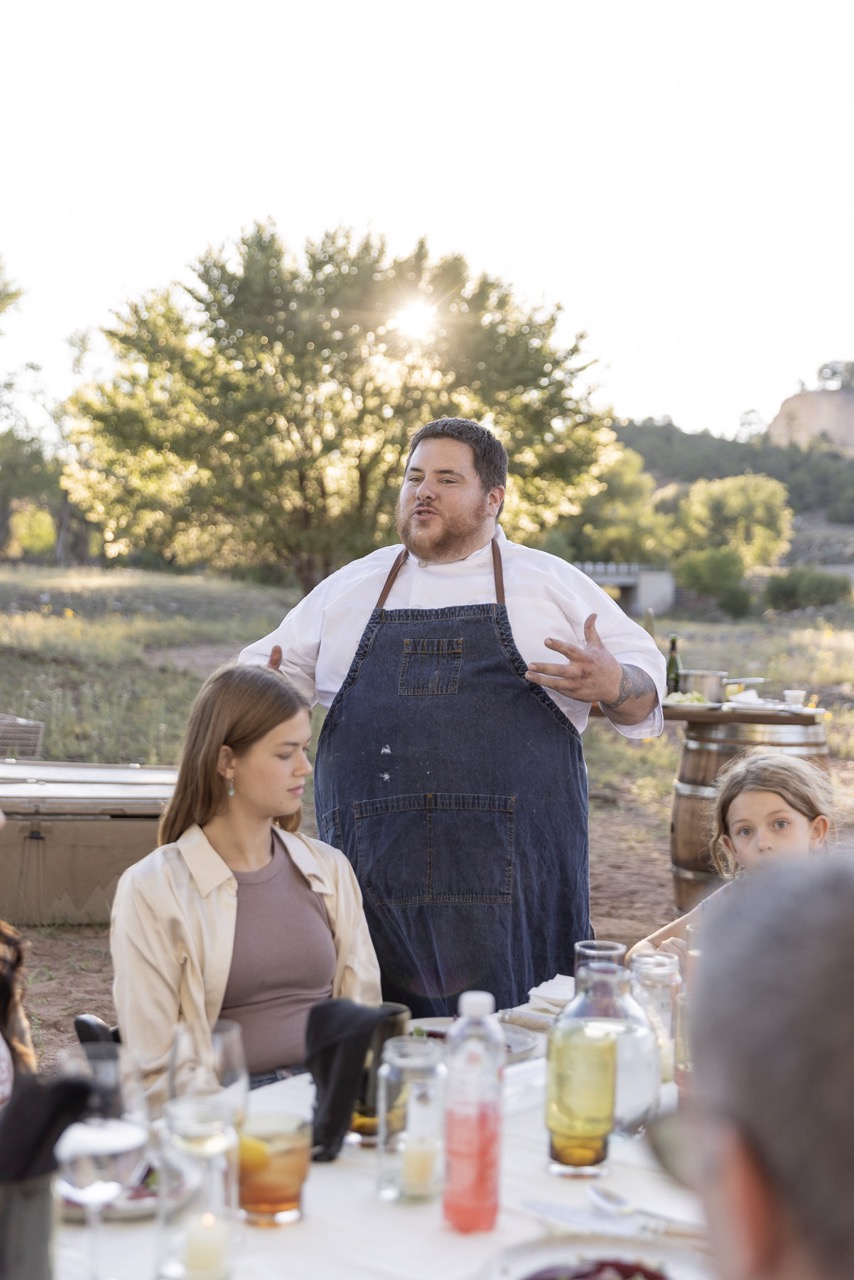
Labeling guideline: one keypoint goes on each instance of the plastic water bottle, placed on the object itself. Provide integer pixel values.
(475, 1060)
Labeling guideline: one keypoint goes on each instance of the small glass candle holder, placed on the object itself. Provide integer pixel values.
(198, 1188)
(411, 1092)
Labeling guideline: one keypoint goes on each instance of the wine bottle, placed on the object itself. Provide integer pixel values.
(674, 667)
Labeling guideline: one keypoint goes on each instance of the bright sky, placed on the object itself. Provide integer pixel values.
(678, 175)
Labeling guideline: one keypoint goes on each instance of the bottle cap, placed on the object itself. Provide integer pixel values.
(476, 1004)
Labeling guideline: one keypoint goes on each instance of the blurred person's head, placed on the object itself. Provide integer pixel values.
(772, 1040)
(237, 708)
(769, 805)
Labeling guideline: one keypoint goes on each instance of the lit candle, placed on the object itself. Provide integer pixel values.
(419, 1164)
(666, 1050)
(207, 1247)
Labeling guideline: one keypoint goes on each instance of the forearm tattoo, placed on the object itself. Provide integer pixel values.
(634, 683)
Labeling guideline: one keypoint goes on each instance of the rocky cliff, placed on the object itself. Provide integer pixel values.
(813, 415)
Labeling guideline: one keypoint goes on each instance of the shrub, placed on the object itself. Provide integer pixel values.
(803, 587)
(736, 601)
(711, 571)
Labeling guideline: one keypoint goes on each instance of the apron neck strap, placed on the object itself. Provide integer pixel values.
(497, 569)
(389, 582)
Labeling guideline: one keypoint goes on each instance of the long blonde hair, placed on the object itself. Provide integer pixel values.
(804, 786)
(235, 707)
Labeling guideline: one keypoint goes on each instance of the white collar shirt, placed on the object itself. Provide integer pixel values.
(545, 597)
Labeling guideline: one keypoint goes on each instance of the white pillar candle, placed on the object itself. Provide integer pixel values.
(206, 1248)
(419, 1166)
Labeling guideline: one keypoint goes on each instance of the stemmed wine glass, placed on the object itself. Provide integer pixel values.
(208, 1090)
(105, 1150)
(219, 1070)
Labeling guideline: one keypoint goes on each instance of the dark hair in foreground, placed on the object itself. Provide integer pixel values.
(490, 456)
(804, 786)
(773, 1039)
(12, 1022)
(235, 707)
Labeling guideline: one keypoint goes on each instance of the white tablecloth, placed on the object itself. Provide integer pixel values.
(347, 1233)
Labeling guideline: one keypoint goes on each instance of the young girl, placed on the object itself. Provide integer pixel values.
(767, 806)
(237, 915)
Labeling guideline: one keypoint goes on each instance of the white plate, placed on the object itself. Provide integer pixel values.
(136, 1202)
(695, 706)
(676, 1260)
(519, 1041)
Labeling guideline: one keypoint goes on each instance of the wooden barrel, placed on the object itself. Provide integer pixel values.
(707, 747)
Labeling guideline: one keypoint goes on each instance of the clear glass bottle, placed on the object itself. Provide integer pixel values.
(475, 1060)
(656, 982)
(582, 1075)
(638, 1069)
(411, 1103)
(603, 1069)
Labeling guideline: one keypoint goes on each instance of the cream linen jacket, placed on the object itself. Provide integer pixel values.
(172, 938)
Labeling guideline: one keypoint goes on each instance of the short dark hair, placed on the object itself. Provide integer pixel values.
(490, 456)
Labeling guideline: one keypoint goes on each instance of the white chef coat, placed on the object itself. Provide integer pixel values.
(545, 596)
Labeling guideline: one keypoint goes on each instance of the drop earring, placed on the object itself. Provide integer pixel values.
(230, 788)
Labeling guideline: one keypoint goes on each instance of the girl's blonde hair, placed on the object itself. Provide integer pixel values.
(235, 707)
(804, 786)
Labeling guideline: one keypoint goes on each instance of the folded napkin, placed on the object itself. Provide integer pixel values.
(528, 1018)
(551, 996)
(337, 1039)
(32, 1121)
(600, 1222)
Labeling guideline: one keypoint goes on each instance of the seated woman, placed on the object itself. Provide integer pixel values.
(16, 1045)
(238, 915)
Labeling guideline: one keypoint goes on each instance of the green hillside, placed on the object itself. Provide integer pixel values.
(819, 479)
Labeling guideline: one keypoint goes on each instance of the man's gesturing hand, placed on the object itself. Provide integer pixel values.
(590, 674)
(626, 694)
(275, 658)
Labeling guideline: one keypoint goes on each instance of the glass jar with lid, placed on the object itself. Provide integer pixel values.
(656, 983)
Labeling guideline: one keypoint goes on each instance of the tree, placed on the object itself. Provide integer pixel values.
(619, 521)
(9, 295)
(749, 514)
(837, 375)
(817, 478)
(259, 413)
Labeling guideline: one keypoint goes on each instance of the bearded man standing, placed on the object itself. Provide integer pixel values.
(450, 768)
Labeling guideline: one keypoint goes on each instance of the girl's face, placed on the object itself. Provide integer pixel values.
(761, 824)
(269, 778)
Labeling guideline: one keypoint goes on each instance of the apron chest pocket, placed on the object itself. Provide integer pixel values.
(430, 666)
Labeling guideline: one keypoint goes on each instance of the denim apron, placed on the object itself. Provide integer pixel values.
(458, 791)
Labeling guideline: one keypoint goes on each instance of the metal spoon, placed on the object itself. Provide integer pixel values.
(613, 1202)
